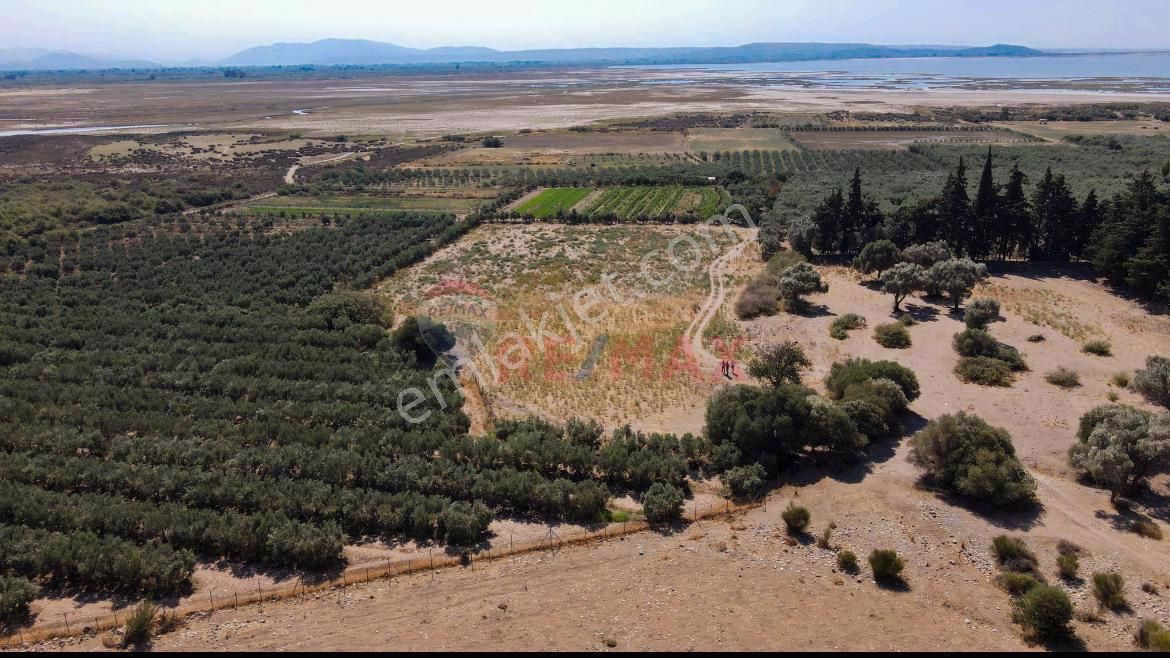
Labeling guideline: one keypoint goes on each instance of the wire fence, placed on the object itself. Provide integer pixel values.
(70, 626)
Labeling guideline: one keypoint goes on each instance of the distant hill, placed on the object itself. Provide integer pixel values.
(363, 52)
(32, 59)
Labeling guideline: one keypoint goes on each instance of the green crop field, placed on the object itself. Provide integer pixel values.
(553, 202)
(655, 202)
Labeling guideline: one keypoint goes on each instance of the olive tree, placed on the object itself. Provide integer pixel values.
(877, 256)
(902, 280)
(1120, 446)
(780, 364)
(957, 277)
(926, 254)
(797, 281)
(966, 455)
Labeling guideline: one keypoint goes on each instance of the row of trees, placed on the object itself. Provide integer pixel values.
(1001, 221)
(1127, 237)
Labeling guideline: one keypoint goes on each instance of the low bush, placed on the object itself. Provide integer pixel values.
(893, 335)
(139, 626)
(886, 565)
(1036, 338)
(15, 596)
(1146, 528)
(1097, 347)
(843, 324)
(980, 313)
(1068, 565)
(1013, 554)
(796, 518)
(1016, 583)
(758, 298)
(1120, 380)
(1063, 377)
(1152, 635)
(1109, 590)
(975, 342)
(985, 371)
(1045, 612)
(855, 371)
(744, 480)
(847, 562)
(662, 503)
(825, 541)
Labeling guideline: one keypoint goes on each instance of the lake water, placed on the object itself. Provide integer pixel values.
(1149, 72)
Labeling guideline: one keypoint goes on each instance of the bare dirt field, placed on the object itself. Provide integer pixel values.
(1057, 130)
(434, 105)
(898, 140)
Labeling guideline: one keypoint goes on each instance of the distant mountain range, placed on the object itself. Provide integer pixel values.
(335, 52)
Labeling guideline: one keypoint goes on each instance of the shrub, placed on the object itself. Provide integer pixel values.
(745, 480)
(1063, 377)
(1045, 612)
(855, 371)
(980, 313)
(893, 335)
(1109, 590)
(15, 596)
(984, 370)
(886, 565)
(796, 518)
(825, 541)
(1097, 347)
(1153, 381)
(965, 455)
(975, 342)
(1069, 565)
(758, 298)
(139, 624)
(842, 325)
(907, 320)
(462, 523)
(1016, 583)
(1006, 548)
(1120, 379)
(1146, 528)
(1036, 338)
(847, 561)
(1152, 635)
(662, 503)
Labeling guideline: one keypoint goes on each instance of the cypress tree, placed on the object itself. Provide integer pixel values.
(985, 219)
(955, 210)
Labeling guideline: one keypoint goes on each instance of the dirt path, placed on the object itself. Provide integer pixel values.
(717, 272)
(290, 177)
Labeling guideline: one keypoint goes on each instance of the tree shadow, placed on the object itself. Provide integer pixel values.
(1019, 519)
(919, 312)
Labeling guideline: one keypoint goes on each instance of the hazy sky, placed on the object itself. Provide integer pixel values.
(171, 30)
